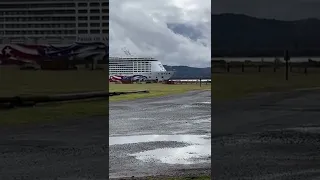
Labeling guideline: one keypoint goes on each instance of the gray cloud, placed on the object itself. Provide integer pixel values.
(276, 9)
(177, 32)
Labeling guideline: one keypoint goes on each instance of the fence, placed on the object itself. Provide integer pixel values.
(258, 67)
(188, 81)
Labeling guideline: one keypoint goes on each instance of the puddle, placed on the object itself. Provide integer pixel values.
(306, 129)
(201, 119)
(207, 102)
(139, 118)
(198, 151)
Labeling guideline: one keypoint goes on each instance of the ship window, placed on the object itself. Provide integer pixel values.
(162, 77)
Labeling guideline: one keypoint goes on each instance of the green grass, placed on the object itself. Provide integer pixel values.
(156, 90)
(53, 112)
(17, 82)
(14, 81)
(230, 85)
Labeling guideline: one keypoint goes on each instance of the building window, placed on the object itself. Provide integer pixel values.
(82, 25)
(105, 31)
(105, 11)
(82, 11)
(105, 24)
(94, 18)
(82, 31)
(95, 11)
(95, 31)
(95, 24)
(83, 18)
(105, 4)
(94, 4)
(105, 18)
(82, 4)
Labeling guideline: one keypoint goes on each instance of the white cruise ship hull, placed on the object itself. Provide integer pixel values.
(160, 75)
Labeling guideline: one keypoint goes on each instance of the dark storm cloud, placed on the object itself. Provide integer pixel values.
(277, 9)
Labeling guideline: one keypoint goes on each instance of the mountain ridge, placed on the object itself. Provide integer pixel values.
(186, 72)
(243, 35)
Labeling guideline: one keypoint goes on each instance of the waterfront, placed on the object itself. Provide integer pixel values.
(266, 59)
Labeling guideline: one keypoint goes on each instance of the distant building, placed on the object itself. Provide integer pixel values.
(57, 23)
(53, 21)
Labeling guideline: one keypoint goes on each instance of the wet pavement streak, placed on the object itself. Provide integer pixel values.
(161, 136)
(267, 137)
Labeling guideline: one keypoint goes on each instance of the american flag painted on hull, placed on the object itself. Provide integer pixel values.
(37, 53)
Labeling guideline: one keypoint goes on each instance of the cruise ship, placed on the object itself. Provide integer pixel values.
(145, 68)
(33, 31)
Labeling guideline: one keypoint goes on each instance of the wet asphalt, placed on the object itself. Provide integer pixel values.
(272, 136)
(79, 148)
(76, 149)
(177, 116)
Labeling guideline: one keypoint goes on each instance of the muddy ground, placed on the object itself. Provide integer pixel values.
(275, 136)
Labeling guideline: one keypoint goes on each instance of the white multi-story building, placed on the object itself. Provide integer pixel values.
(53, 21)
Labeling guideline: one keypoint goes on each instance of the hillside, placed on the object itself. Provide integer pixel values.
(241, 35)
(185, 72)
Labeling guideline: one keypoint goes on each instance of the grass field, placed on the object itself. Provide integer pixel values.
(15, 82)
(235, 85)
(155, 90)
(310, 70)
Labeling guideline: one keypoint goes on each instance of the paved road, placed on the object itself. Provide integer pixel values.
(78, 149)
(161, 136)
(267, 137)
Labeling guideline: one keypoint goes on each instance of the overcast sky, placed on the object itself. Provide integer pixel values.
(177, 32)
(277, 9)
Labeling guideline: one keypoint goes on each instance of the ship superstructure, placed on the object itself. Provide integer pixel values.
(147, 67)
